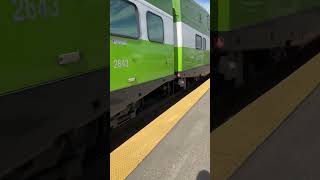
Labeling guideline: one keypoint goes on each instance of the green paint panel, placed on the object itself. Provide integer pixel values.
(191, 13)
(223, 16)
(235, 14)
(165, 5)
(30, 48)
(178, 59)
(142, 60)
(191, 58)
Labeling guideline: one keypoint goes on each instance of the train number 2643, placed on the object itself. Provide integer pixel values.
(31, 9)
(120, 63)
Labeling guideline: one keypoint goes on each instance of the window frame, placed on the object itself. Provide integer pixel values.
(197, 35)
(148, 13)
(204, 43)
(137, 20)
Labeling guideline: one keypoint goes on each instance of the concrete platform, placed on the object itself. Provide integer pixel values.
(275, 137)
(185, 152)
(292, 151)
(175, 145)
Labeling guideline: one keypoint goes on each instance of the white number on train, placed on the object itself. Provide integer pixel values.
(31, 9)
(120, 63)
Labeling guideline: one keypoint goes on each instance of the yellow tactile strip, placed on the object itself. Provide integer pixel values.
(127, 157)
(234, 141)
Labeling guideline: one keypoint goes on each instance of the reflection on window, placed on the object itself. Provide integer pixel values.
(198, 42)
(123, 19)
(155, 28)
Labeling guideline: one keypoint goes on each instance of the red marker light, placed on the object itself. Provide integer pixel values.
(219, 42)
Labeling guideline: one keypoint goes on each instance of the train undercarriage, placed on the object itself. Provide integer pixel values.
(146, 96)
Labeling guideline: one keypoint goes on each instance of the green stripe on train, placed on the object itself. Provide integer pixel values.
(192, 14)
(134, 62)
(235, 14)
(30, 46)
(190, 58)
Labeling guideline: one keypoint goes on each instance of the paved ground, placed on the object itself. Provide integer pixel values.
(185, 152)
(292, 151)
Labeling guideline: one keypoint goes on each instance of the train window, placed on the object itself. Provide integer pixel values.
(124, 20)
(155, 28)
(204, 44)
(198, 42)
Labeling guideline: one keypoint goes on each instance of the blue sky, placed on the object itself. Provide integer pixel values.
(205, 4)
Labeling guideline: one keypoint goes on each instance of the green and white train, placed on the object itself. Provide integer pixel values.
(154, 44)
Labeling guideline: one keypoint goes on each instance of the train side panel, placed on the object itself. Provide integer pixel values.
(256, 24)
(236, 14)
(37, 37)
(142, 50)
(192, 28)
(136, 60)
(250, 29)
(50, 70)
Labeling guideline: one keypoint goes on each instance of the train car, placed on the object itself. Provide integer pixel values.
(52, 89)
(267, 28)
(192, 28)
(153, 44)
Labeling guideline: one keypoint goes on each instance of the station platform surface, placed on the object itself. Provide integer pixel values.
(275, 137)
(176, 145)
(292, 151)
(185, 152)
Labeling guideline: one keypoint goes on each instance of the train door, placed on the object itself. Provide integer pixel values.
(155, 58)
(125, 34)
